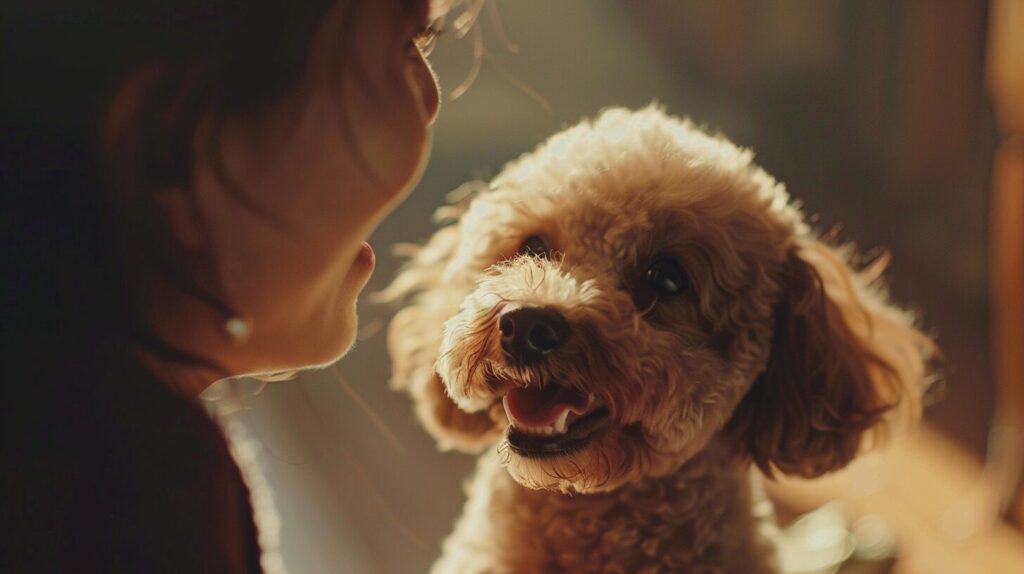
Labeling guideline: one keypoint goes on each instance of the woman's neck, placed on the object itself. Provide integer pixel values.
(184, 378)
(185, 344)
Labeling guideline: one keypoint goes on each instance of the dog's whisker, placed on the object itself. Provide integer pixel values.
(708, 327)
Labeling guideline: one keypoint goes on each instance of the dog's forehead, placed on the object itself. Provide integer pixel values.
(629, 172)
(627, 186)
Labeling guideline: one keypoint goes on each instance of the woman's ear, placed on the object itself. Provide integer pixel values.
(184, 221)
(432, 296)
(846, 368)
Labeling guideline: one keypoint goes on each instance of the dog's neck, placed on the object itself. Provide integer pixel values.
(701, 514)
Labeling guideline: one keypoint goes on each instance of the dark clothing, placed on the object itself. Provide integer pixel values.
(105, 469)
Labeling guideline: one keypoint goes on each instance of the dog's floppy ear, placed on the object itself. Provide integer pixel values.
(846, 368)
(432, 295)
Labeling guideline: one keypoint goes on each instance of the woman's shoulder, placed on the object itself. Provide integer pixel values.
(110, 466)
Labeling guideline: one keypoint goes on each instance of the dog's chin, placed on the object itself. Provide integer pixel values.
(598, 461)
(575, 438)
(557, 437)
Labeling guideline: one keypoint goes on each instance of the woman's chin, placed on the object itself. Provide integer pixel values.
(332, 346)
(318, 354)
(329, 333)
(316, 348)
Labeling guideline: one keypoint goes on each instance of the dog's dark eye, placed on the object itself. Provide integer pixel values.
(667, 277)
(534, 246)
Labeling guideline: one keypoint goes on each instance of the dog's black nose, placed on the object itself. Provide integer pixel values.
(529, 334)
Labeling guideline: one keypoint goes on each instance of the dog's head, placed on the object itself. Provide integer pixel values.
(613, 300)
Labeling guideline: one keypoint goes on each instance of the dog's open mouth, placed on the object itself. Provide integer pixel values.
(552, 420)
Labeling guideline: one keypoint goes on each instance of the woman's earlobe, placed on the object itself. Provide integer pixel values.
(129, 164)
(184, 221)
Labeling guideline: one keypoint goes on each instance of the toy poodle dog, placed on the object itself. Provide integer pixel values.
(624, 320)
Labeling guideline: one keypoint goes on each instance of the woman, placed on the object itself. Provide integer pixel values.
(186, 190)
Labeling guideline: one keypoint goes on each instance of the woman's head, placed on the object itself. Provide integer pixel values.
(246, 148)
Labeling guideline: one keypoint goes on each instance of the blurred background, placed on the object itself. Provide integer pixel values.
(874, 113)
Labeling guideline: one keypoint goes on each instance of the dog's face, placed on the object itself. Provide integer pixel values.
(604, 307)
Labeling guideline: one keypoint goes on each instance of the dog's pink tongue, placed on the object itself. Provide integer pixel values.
(542, 407)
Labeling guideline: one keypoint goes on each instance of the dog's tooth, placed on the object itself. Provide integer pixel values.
(591, 403)
(535, 430)
(560, 425)
(508, 413)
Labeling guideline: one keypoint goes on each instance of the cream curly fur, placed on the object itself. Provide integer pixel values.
(780, 352)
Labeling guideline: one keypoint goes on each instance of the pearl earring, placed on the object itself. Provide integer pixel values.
(238, 329)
